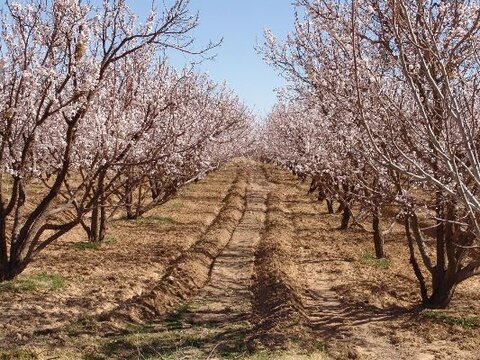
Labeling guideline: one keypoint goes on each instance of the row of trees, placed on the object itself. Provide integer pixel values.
(382, 110)
(95, 121)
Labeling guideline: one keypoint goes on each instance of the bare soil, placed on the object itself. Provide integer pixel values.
(241, 265)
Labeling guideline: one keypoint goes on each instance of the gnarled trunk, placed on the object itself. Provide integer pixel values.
(441, 296)
(447, 271)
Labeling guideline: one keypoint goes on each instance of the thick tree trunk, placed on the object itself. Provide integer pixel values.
(13, 268)
(322, 195)
(3, 233)
(444, 274)
(98, 225)
(314, 186)
(7, 275)
(93, 234)
(441, 296)
(341, 207)
(444, 281)
(154, 188)
(129, 203)
(438, 276)
(102, 230)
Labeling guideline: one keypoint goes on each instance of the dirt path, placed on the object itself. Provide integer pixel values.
(225, 303)
(250, 302)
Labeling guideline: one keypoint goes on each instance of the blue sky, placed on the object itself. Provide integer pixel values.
(241, 24)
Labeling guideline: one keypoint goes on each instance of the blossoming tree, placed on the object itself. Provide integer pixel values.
(396, 84)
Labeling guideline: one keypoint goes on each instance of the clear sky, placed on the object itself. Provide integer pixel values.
(241, 24)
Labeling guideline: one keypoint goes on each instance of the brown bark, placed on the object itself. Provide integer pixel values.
(377, 234)
(345, 218)
(330, 208)
(413, 260)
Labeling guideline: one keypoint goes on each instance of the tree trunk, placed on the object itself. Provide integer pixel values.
(313, 186)
(438, 276)
(322, 194)
(3, 247)
(441, 296)
(98, 223)
(154, 188)
(129, 203)
(444, 280)
(345, 217)
(93, 233)
(13, 268)
(330, 208)
(102, 228)
(413, 260)
(377, 235)
(7, 275)
(341, 207)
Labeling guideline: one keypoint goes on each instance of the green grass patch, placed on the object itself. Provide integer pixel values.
(140, 329)
(110, 239)
(233, 341)
(35, 282)
(176, 206)
(281, 355)
(175, 319)
(92, 356)
(18, 354)
(370, 259)
(153, 341)
(93, 246)
(157, 344)
(155, 220)
(319, 345)
(87, 245)
(86, 324)
(464, 322)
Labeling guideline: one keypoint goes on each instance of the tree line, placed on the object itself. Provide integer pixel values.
(96, 123)
(382, 111)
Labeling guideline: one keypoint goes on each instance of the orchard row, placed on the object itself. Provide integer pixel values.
(382, 110)
(95, 123)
